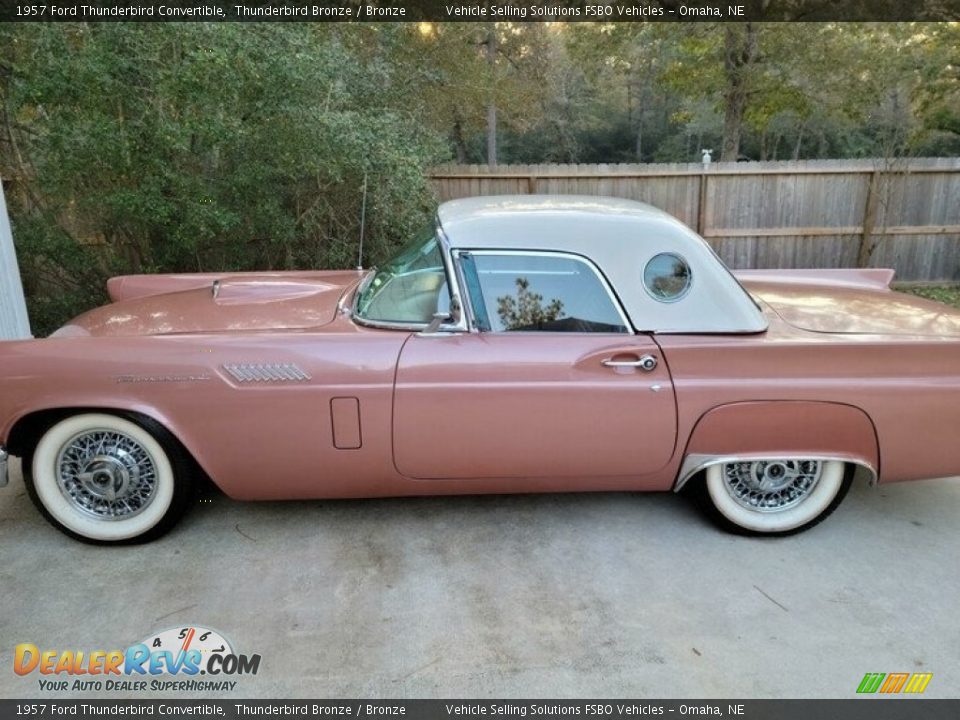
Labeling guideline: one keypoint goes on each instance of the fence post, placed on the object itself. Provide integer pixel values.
(14, 324)
(702, 204)
(869, 220)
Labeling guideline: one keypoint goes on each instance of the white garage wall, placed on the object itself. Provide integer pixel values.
(13, 308)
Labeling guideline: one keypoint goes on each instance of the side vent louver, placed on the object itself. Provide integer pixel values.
(266, 372)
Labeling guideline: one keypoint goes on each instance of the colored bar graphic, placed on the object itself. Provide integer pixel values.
(894, 682)
(918, 682)
(871, 682)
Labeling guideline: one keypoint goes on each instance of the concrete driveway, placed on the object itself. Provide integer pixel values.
(526, 596)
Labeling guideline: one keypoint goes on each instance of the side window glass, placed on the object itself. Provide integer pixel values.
(538, 293)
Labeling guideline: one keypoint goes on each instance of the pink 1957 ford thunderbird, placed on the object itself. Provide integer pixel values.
(521, 344)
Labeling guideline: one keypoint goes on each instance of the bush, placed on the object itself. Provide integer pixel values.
(172, 148)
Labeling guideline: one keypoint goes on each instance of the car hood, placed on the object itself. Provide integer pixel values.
(849, 303)
(269, 301)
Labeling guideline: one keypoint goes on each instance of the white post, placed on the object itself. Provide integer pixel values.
(14, 324)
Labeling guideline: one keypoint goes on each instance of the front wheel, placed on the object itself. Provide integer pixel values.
(775, 497)
(104, 479)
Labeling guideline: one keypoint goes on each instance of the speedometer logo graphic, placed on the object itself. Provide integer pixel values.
(182, 639)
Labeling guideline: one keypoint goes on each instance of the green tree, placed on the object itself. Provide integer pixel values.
(938, 96)
(527, 310)
(166, 147)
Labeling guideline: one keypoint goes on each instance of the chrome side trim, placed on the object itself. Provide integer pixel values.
(696, 462)
(4, 468)
(387, 325)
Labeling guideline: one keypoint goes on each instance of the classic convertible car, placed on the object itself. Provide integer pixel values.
(521, 344)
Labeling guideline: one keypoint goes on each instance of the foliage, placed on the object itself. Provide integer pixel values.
(662, 91)
(145, 148)
(938, 95)
(948, 294)
(527, 309)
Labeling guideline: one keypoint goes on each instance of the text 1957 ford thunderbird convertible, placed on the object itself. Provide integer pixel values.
(522, 344)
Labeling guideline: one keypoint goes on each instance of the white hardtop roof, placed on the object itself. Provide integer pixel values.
(620, 237)
(492, 207)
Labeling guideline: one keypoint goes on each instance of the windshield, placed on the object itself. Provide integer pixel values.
(409, 287)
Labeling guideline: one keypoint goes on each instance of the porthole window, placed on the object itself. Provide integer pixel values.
(667, 277)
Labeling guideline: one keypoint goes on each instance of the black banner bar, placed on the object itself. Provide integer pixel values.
(481, 11)
(872, 708)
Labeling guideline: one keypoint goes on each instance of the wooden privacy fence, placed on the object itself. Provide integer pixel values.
(903, 214)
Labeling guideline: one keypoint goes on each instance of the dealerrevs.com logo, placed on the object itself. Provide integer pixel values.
(172, 660)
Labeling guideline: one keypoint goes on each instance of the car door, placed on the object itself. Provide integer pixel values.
(551, 383)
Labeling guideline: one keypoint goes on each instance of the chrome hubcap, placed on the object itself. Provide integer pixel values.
(771, 485)
(107, 475)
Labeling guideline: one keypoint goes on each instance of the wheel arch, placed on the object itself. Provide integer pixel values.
(773, 429)
(29, 427)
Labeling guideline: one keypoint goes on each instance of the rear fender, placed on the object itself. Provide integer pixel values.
(782, 429)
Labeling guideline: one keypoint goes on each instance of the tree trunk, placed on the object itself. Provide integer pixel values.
(458, 142)
(492, 107)
(492, 135)
(824, 147)
(739, 56)
(796, 148)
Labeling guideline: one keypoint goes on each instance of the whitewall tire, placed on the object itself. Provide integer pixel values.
(106, 479)
(775, 497)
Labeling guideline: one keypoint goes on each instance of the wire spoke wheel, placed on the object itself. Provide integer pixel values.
(107, 474)
(775, 496)
(771, 485)
(108, 479)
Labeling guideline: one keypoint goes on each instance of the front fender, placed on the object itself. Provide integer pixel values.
(781, 429)
(43, 380)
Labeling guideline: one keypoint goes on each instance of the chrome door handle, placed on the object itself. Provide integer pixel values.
(646, 363)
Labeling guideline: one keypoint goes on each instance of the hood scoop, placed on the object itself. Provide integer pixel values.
(243, 292)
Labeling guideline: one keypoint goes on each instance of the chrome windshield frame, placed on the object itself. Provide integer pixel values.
(452, 282)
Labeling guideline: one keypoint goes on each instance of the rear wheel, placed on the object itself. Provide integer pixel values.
(106, 479)
(775, 497)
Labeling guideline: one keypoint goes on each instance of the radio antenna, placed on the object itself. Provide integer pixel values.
(363, 221)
